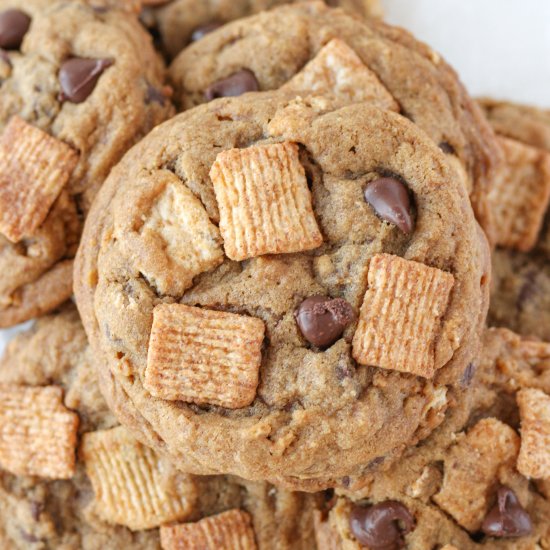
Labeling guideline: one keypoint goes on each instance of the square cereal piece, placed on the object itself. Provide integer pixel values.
(37, 432)
(519, 197)
(338, 71)
(401, 315)
(472, 471)
(132, 484)
(231, 530)
(204, 356)
(264, 201)
(534, 455)
(34, 168)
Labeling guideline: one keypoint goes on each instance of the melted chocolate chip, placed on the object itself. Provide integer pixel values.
(391, 202)
(78, 77)
(447, 148)
(234, 85)
(203, 30)
(14, 25)
(507, 518)
(382, 526)
(322, 320)
(468, 375)
(154, 95)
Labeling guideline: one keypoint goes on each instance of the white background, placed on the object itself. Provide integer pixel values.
(501, 48)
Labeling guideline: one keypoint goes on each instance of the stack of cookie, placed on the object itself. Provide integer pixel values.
(281, 339)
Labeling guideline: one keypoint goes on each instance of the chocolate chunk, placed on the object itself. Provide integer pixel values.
(78, 77)
(391, 202)
(507, 518)
(447, 148)
(382, 526)
(202, 31)
(14, 25)
(322, 320)
(236, 84)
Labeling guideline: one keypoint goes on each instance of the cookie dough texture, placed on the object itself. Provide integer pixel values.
(276, 45)
(520, 298)
(125, 104)
(317, 417)
(40, 514)
(177, 20)
(452, 454)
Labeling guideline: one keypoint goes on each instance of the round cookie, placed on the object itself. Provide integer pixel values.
(288, 391)
(180, 22)
(520, 298)
(41, 513)
(78, 87)
(444, 493)
(274, 47)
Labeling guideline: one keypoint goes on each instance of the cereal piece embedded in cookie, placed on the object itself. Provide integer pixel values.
(400, 316)
(338, 71)
(204, 356)
(534, 455)
(519, 197)
(472, 471)
(34, 168)
(37, 432)
(264, 201)
(131, 483)
(231, 530)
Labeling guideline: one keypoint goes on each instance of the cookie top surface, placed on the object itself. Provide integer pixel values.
(445, 492)
(85, 85)
(41, 513)
(279, 386)
(181, 22)
(276, 45)
(521, 289)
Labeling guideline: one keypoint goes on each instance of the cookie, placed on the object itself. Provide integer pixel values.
(520, 298)
(267, 51)
(466, 486)
(270, 289)
(121, 491)
(71, 104)
(181, 22)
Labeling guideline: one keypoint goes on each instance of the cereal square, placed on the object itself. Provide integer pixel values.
(204, 356)
(264, 201)
(401, 315)
(37, 432)
(34, 168)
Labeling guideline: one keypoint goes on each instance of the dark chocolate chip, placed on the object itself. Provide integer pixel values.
(78, 77)
(236, 84)
(36, 509)
(447, 148)
(507, 518)
(468, 375)
(322, 320)
(154, 95)
(203, 30)
(14, 25)
(391, 201)
(382, 526)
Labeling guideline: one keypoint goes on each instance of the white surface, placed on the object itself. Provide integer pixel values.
(501, 48)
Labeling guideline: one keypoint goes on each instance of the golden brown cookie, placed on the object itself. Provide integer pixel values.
(243, 279)
(78, 86)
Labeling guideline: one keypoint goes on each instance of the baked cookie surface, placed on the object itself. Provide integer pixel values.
(268, 289)
(267, 51)
(78, 86)
(520, 298)
(40, 513)
(468, 485)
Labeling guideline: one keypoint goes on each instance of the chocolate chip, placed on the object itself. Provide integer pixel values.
(36, 509)
(391, 201)
(382, 526)
(78, 77)
(202, 31)
(468, 375)
(507, 518)
(154, 95)
(447, 148)
(322, 320)
(236, 84)
(14, 25)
